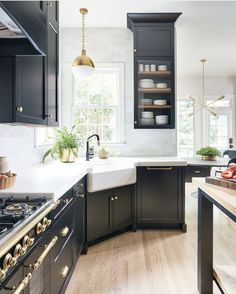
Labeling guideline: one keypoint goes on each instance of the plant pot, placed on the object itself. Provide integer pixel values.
(103, 155)
(209, 158)
(68, 155)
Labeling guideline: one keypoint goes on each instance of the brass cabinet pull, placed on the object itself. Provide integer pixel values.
(197, 171)
(19, 109)
(65, 271)
(48, 115)
(64, 231)
(159, 168)
(23, 284)
(39, 261)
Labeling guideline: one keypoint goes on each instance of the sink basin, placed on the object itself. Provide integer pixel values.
(110, 173)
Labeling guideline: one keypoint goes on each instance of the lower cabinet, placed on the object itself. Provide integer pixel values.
(161, 197)
(109, 211)
(196, 171)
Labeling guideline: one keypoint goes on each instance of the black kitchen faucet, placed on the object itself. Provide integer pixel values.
(87, 145)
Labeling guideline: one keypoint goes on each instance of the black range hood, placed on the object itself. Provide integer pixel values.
(23, 29)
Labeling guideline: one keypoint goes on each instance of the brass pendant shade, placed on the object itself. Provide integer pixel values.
(83, 66)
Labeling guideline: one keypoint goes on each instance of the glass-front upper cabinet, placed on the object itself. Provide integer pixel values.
(154, 69)
(154, 93)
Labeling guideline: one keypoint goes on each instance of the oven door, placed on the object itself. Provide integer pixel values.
(38, 264)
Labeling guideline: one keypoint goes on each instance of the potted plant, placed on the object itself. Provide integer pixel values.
(65, 147)
(208, 153)
(103, 152)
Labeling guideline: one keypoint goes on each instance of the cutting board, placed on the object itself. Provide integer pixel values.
(230, 184)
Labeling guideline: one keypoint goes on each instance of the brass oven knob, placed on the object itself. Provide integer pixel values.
(27, 241)
(7, 262)
(19, 109)
(65, 201)
(40, 228)
(46, 222)
(2, 274)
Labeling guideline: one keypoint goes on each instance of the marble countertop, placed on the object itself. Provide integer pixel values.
(53, 179)
(198, 161)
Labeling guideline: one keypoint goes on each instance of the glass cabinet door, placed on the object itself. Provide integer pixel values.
(154, 93)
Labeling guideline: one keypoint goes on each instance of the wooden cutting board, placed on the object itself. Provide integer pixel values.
(230, 184)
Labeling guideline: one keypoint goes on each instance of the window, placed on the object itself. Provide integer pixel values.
(185, 129)
(98, 104)
(203, 128)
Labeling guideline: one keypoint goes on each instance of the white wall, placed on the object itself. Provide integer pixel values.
(112, 45)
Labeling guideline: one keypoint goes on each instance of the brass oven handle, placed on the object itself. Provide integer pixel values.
(64, 231)
(159, 168)
(39, 261)
(23, 284)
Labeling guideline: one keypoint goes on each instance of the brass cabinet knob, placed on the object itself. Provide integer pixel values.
(49, 4)
(116, 198)
(135, 50)
(112, 199)
(64, 232)
(135, 122)
(19, 109)
(65, 271)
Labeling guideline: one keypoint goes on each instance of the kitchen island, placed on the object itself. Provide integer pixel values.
(225, 200)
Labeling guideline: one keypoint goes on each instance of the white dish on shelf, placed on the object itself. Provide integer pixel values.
(146, 121)
(160, 102)
(145, 101)
(147, 85)
(147, 114)
(162, 119)
(161, 85)
(162, 67)
(146, 81)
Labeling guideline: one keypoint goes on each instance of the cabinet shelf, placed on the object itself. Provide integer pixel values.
(155, 73)
(154, 90)
(155, 106)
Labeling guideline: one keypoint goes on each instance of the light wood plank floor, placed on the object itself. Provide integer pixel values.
(152, 261)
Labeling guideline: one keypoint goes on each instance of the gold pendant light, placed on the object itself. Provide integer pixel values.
(83, 66)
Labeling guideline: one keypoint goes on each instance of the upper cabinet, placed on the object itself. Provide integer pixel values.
(30, 83)
(154, 69)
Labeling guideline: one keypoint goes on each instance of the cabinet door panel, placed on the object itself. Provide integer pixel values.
(123, 207)
(52, 60)
(99, 215)
(159, 195)
(154, 41)
(30, 90)
(79, 225)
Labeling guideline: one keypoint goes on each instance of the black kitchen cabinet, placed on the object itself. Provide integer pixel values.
(13, 282)
(30, 96)
(197, 171)
(30, 83)
(154, 69)
(109, 211)
(161, 197)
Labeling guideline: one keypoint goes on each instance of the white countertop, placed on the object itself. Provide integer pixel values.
(55, 178)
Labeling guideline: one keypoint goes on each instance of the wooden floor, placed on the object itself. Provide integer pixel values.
(152, 261)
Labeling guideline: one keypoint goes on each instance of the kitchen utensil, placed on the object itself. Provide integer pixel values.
(161, 85)
(147, 114)
(162, 119)
(162, 67)
(160, 102)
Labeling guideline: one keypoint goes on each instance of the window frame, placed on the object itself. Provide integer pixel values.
(120, 120)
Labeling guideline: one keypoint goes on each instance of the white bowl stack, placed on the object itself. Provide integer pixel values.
(162, 67)
(145, 101)
(161, 85)
(160, 102)
(146, 83)
(147, 118)
(162, 119)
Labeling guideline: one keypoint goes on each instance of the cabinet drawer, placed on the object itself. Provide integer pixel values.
(79, 188)
(63, 229)
(65, 201)
(61, 266)
(196, 171)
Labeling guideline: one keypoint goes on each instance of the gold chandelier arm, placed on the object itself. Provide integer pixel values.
(220, 98)
(211, 111)
(195, 101)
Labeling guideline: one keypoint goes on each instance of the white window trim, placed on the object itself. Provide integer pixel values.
(121, 93)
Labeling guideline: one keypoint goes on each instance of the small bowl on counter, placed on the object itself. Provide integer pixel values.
(162, 119)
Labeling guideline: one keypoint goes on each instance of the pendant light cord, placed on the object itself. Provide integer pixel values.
(203, 80)
(83, 33)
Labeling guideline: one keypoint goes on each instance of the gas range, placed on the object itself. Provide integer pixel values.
(14, 211)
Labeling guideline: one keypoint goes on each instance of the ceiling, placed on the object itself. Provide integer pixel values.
(207, 29)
